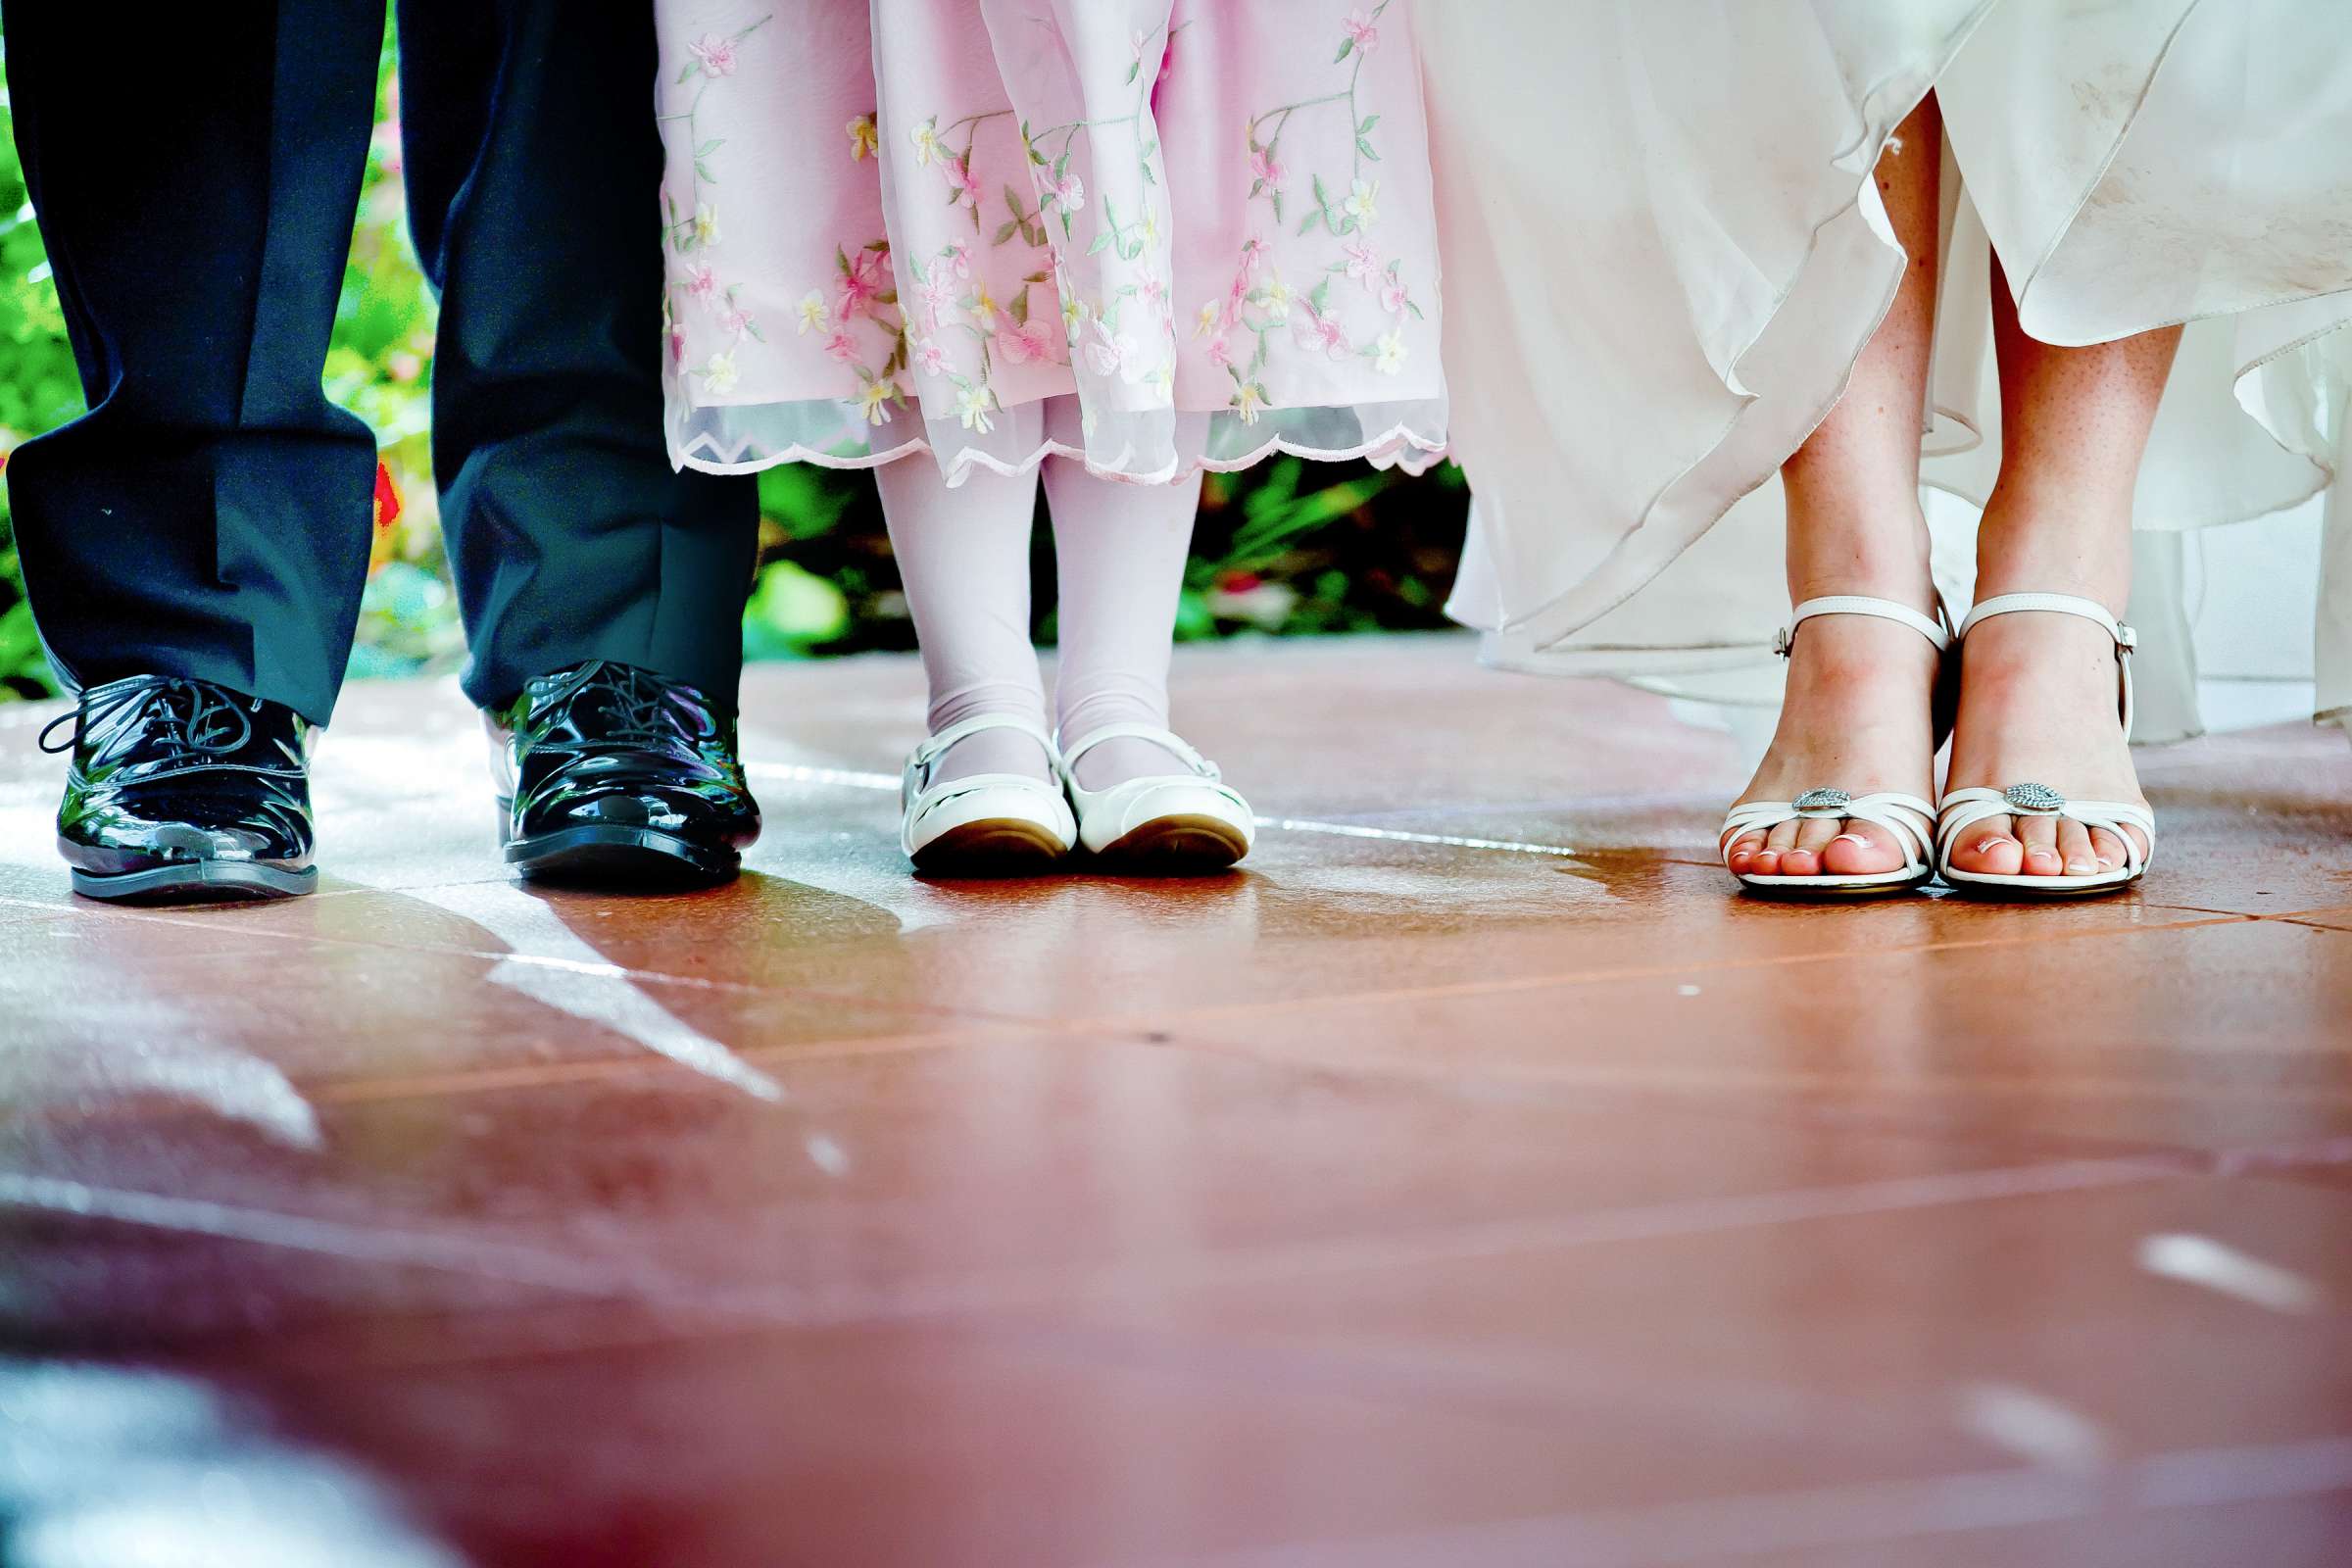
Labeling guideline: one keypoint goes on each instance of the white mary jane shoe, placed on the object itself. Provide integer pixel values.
(983, 825)
(1170, 823)
(1908, 818)
(1963, 809)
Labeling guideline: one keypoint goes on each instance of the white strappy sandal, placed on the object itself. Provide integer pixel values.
(983, 825)
(1963, 809)
(1179, 823)
(1908, 818)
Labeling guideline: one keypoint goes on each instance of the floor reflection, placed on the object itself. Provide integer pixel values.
(103, 1467)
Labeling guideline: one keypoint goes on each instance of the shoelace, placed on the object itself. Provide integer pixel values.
(186, 720)
(640, 707)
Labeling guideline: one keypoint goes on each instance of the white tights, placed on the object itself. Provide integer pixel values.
(964, 554)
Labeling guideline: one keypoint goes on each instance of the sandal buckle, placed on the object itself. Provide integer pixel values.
(2038, 798)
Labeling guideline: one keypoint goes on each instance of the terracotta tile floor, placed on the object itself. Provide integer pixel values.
(1471, 1181)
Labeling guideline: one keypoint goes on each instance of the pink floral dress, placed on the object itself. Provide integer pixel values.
(1160, 235)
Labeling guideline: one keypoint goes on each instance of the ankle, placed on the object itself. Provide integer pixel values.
(2055, 545)
(1903, 579)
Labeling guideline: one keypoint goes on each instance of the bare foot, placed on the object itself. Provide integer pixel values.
(2038, 704)
(1857, 718)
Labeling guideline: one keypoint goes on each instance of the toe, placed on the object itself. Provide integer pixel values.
(1804, 857)
(2075, 850)
(1861, 848)
(2108, 848)
(1771, 859)
(1988, 848)
(1741, 851)
(2040, 835)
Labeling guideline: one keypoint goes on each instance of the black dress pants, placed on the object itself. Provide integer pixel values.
(208, 516)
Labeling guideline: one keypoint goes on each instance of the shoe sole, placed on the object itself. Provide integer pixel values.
(1176, 846)
(995, 847)
(197, 882)
(2022, 890)
(1793, 890)
(622, 857)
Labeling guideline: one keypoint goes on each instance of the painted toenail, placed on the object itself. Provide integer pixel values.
(1849, 838)
(2081, 865)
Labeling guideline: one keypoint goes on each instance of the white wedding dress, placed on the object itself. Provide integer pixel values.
(1667, 251)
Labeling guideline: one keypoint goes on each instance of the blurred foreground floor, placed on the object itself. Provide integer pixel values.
(1473, 1180)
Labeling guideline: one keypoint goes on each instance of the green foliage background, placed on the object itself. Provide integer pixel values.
(1283, 549)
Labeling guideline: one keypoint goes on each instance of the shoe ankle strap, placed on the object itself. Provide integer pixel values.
(2090, 610)
(2057, 604)
(933, 746)
(1166, 740)
(1937, 631)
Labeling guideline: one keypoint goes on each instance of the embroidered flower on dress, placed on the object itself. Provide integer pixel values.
(1394, 297)
(706, 224)
(1212, 316)
(718, 375)
(862, 282)
(1362, 203)
(971, 407)
(813, 314)
(1388, 352)
(1067, 191)
(1265, 170)
(962, 180)
(927, 356)
(702, 281)
(938, 294)
(925, 137)
(1025, 343)
(1248, 399)
(1111, 353)
(1221, 354)
(1315, 330)
(1363, 263)
(982, 308)
(843, 347)
(1275, 297)
(1361, 33)
(716, 54)
(864, 138)
(958, 257)
(873, 401)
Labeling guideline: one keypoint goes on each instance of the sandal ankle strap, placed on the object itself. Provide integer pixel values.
(2090, 610)
(1937, 631)
(2057, 604)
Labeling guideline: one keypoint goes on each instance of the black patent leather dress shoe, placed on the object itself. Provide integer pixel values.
(182, 791)
(613, 774)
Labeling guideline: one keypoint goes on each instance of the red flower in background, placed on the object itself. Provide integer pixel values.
(387, 498)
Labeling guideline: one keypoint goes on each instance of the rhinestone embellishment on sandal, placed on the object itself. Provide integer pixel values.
(2033, 797)
(1823, 801)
